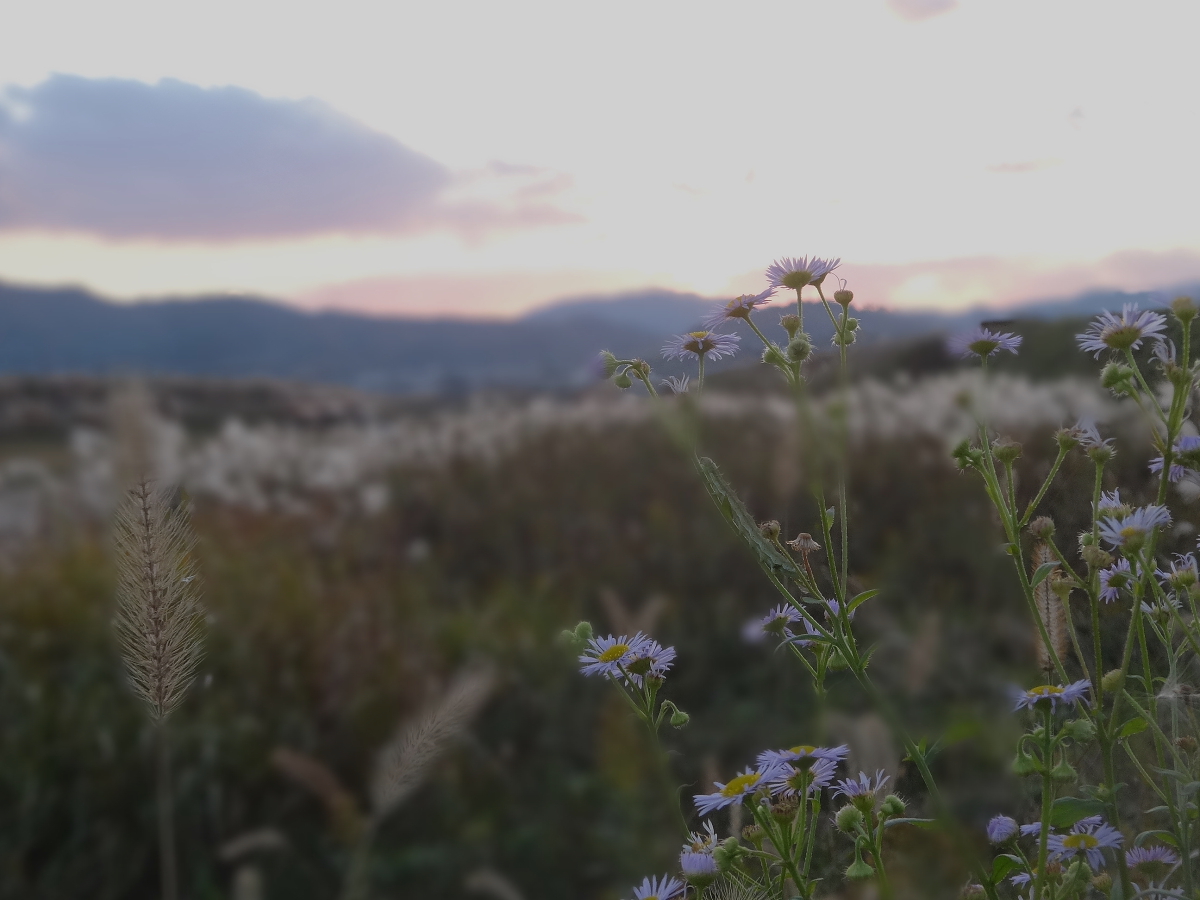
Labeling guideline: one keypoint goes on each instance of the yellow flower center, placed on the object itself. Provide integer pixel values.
(803, 749)
(1081, 841)
(613, 653)
(1046, 690)
(738, 785)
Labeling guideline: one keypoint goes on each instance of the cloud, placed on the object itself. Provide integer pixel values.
(918, 10)
(173, 161)
(1019, 168)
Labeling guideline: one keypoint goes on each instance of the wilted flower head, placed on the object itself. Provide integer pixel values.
(862, 786)
(703, 841)
(982, 343)
(738, 308)
(1131, 530)
(607, 655)
(804, 543)
(1087, 840)
(733, 792)
(1186, 456)
(1182, 575)
(665, 888)
(1001, 829)
(1112, 579)
(1052, 694)
(1088, 435)
(677, 384)
(796, 272)
(701, 343)
(1123, 332)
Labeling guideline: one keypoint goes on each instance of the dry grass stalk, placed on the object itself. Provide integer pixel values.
(158, 600)
(314, 775)
(1051, 612)
(405, 761)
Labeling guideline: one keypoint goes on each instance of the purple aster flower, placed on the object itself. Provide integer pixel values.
(1132, 529)
(863, 786)
(1186, 458)
(650, 659)
(1123, 332)
(738, 308)
(1033, 828)
(665, 888)
(777, 622)
(770, 758)
(1112, 579)
(1052, 694)
(982, 343)
(796, 272)
(697, 866)
(790, 780)
(1183, 573)
(677, 384)
(1001, 829)
(803, 640)
(701, 343)
(1164, 352)
(738, 788)
(607, 655)
(1153, 862)
(1086, 839)
(1088, 435)
(703, 841)
(1110, 505)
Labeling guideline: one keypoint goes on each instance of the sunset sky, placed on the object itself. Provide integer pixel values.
(482, 158)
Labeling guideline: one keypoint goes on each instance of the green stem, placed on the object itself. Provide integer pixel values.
(1047, 798)
(168, 873)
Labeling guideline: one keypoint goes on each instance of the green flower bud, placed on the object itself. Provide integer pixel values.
(753, 833)
(790, 323)
(1080, 730)
(1096, 557)
(640, 367)
(608, 363)
(1101, 454)
(679, 718)
(844, 297)
(892, 806)
(1063, 771)
(1102, 882)
(858, 870)
(1184, 309)
(845, 338)
(728, 854)
(769, 530)
(1042, 528)
(800, 347)
(1113, 681)
(1025, 764)
(1066, 438)
(576, 639)
(848, 819)
(623, 381)
(1117, 377)
(1006, 451)
(851, 324)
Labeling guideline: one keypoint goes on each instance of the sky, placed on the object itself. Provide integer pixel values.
(484, 158)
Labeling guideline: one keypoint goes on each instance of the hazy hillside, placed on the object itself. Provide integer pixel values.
(46, 331)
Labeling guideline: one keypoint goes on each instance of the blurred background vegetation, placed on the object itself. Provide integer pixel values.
(330, 623)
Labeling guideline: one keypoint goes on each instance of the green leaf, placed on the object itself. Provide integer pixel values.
(1003, 866)
(1132, 727)
(862, 598)
(1066, 811)
(1042, 573)
(734, 510)
(929, 824)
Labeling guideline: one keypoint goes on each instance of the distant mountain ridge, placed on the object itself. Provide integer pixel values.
(51, 331)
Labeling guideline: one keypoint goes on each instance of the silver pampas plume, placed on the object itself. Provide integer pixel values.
(158, 600)
(1052, 613)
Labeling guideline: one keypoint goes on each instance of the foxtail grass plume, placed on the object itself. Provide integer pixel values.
(158, 599)
(1051, 612)
(405, 761)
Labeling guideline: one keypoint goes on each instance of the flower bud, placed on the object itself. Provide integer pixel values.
(623, 381)
(1101, 453)
(1187, 743)
(1102, 882)
(1184, 309)
(1080, 730)
(1060, 584)
(769, 530)
(892, 806)
(1063, 771)
(844, 297)
(790, 323)
(773, 356)
(1117, 377)
(608, 363)
(640, 367)
(1096, 557)
(1042, 528)
(848, 818)
(753, 833)
(852, 324)
(1079, 874)
(784, 809)
(679, 718)
(799, 348)
(1066, 438)
(1113, 681)
(728, 854)
(1006, 451)
(845, 338)
(858, 869)
(577, 637)
(1025, 764)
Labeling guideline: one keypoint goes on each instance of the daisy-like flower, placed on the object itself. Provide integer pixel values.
(1131, 530)
(738, 308)
(650, 660)
(607, 655)
(702, 841)
(1110, 505)
(863, 786)
(982, 343)
(738, 788)
(1186, 457)
(1052, 694)
(799, 754)
(1112, 579)
(1123, 332)
(791, 780)
(1001, 829)
(1182, 575)
(777, 622)
(665, 888)
(796, 272)
(1153, 863)
(1089, 840)
(678, 385)
(697, 866)
(701, 343)
(1088, 435)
